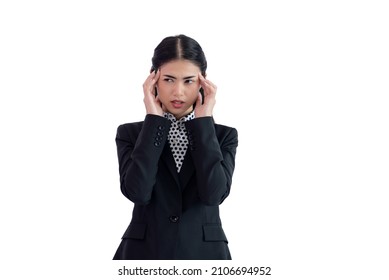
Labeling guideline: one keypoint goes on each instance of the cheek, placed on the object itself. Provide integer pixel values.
(194, 94)
(162, 91)
(163, 97)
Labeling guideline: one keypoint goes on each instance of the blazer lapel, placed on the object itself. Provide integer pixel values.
(169, 160)
(187, 170)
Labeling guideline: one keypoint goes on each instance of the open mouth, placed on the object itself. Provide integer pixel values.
(177, 103)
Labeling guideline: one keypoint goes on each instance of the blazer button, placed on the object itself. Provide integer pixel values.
(157, 144)
(161, 127)
(174, 219)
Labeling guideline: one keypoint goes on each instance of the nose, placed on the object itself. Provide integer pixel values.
(178, 89)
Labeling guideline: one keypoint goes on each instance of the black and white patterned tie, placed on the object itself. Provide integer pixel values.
(178, 138)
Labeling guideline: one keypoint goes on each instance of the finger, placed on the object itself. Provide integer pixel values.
(203, 82)
(150, 82)
(157, 100)
(153, 76)
(209, 89)
(202, 79)
(154, 81)
(199, 100)
(156, 76)
(206, 83)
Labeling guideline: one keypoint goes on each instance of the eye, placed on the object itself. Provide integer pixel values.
(169, 80)
(189, 81)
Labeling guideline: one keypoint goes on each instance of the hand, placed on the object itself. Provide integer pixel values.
(152, 103)
(206, 109)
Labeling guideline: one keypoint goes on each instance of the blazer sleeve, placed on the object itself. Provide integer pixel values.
(213, 157)
(138, 156)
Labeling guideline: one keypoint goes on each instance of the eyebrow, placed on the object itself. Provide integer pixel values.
(185, 78)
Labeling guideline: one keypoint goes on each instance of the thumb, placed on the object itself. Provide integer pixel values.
(199, 100)
(158, 101)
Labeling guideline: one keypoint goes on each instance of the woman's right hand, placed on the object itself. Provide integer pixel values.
(152, 103)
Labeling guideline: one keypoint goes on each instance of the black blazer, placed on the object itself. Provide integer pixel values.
(175, 215)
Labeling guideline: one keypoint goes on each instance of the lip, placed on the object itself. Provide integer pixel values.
(177, 103)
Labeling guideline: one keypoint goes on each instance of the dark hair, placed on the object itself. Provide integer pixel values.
(179, 47)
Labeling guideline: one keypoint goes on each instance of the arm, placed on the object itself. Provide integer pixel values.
(138, 157)
(214, 161)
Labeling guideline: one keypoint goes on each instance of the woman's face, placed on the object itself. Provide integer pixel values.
(178, 86)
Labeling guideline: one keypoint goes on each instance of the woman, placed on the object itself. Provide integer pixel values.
(176, 166)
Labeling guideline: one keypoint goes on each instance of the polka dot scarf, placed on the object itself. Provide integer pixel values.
(178, 138)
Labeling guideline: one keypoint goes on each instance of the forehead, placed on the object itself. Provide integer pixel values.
(180, 67)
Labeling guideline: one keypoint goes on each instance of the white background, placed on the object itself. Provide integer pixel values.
(304, 82)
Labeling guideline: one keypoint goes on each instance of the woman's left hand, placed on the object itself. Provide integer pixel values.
(206, 109)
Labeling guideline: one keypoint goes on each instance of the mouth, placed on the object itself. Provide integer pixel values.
(177, 103)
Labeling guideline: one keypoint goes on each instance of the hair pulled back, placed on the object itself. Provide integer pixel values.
(179, 47)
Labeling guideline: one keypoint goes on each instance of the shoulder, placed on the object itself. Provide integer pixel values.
(129, 130)
(149, 124)
(224, 129)
(227, 136)
(127, 127)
